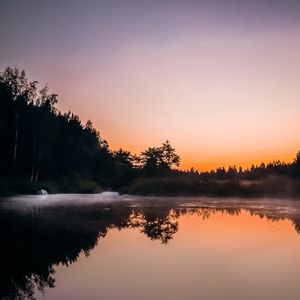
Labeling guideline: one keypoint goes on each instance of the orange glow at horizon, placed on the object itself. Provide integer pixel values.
(201, 158)
(205, 159)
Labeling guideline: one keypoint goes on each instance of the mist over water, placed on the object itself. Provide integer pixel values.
(59, 199)
(287, 208)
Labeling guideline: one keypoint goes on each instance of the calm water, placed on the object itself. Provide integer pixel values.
(122, 247)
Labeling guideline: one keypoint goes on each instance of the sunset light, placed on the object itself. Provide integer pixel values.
(150, 150)
(220, 79)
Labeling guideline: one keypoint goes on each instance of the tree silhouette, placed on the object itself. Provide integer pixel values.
(42, 147)
(159, 159)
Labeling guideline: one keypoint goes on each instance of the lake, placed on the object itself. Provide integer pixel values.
(106, 246)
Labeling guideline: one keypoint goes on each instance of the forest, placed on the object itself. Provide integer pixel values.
(43, 148)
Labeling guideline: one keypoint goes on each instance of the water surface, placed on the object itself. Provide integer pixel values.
(114, 247)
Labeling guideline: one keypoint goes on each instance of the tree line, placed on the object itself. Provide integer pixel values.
(255, 172)
(41, 144)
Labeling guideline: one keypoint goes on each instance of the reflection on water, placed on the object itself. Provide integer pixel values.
(120, 247)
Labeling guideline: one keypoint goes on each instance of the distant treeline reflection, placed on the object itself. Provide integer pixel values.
(42, 148)
(34, 241)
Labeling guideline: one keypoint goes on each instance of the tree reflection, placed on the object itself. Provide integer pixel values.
(159, 228)
(33, 245)
(24, 287)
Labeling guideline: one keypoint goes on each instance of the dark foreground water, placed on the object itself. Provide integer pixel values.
(122, 247)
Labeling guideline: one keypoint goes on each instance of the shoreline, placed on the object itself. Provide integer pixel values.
(213, 190)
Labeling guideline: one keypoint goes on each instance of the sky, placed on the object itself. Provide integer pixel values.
(220, 79)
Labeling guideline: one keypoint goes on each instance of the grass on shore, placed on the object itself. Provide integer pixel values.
(277, 186)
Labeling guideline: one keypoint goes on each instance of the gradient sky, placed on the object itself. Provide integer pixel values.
(219, 79)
